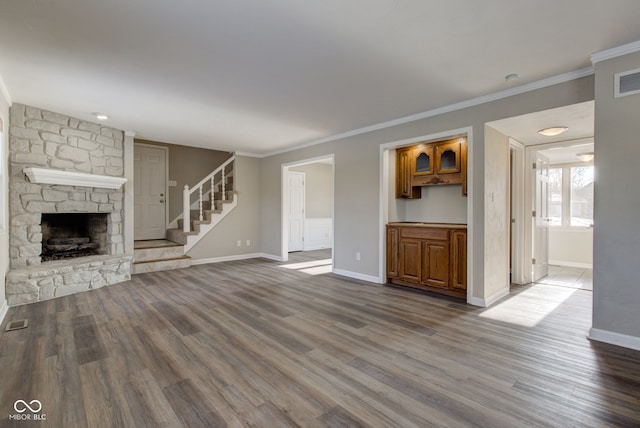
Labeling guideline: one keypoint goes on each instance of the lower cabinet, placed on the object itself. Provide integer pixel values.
(430, 257)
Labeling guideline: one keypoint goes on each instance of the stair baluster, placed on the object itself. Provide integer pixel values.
(186, 199)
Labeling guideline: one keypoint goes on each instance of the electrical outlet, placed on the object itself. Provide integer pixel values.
(239, 243)
(248, 242)
(358, 255)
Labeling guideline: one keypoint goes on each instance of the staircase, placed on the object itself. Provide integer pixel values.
(205, 205)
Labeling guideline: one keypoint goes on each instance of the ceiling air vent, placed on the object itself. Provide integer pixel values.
(627, 83)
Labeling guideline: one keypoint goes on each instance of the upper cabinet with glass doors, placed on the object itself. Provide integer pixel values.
(429, 164)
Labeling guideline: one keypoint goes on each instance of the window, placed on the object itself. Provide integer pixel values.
(571, 195)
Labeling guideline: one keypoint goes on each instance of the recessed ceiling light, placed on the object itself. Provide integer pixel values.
(553, 131)
(511, 77)
(100, 116)
(586, 157)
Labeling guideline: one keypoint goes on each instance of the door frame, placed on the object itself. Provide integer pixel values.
(284, 189)
(304, 213)
(518, 195)
(166, 179)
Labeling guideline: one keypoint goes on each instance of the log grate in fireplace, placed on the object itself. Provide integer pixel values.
(70, 235)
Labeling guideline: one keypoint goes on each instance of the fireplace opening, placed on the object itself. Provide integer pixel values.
(69, 235)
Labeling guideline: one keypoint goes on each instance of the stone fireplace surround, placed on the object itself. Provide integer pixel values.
(43, 139)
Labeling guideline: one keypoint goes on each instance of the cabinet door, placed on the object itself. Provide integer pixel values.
(448, 157)
(435, 263)
(459, 259)
(422, 160)
(392, 252)
(410, 257)
(403, 175)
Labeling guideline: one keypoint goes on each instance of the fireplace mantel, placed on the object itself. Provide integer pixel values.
(67, 178)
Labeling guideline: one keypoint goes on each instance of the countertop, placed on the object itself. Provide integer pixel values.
(430, 225)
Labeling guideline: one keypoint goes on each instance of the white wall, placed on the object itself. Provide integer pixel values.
(4, 201)
(571, 247)
(318, 189)
(496, 218)
(616, 235)
(438, 204)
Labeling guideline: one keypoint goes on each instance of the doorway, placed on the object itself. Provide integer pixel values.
(150, 192)
(537, 227)
(307, 207)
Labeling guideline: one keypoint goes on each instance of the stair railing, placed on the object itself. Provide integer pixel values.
(209, 179)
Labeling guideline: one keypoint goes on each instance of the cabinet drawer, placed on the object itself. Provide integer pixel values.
(424, 233)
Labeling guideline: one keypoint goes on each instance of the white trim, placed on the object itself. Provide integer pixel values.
(517, 194)
(5, 92)
(384, 198)
(68, 178)
(571, 264)
(3, 310)
(358, 275)
(249, 155)
(615, 52)
(230, 258)
(618, 339)
(488, 301)
(539, 84)
(271, 257)
(304, 179)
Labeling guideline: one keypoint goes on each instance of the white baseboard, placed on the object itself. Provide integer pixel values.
(3, 310)
(357, 275)
(486, 302)
(571, 264)
(618, 339)
(235, 257)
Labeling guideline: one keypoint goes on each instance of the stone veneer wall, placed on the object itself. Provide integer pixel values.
(43, 139)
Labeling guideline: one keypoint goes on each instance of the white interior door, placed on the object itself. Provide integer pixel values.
(150, 192)
(541, 218)
(296, 211)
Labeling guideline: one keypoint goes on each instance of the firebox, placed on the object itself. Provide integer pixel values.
(68, 235)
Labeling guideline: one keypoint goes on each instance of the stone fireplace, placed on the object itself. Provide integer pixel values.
(66, 233)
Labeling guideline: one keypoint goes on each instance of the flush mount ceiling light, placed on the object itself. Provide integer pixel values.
(586, 157)
(100, 116)
(553, 131)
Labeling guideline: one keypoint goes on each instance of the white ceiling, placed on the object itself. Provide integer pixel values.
(259, 76)
(579, 118)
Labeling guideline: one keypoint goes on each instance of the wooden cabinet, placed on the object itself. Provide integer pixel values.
(429, 164)
(403, 175)
(432, 257)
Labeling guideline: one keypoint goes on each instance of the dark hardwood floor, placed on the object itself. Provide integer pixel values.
(260, 343)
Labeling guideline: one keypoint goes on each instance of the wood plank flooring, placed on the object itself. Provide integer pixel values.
(266, 344)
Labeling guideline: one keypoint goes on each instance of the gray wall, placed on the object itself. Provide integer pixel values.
(4, 191)
(616, 239)
(187, 165)
(243, 223)
(318, 189)
(357, 176)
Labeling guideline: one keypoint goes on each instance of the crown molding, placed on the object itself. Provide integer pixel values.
(539, 84)
(5, 92)
(615, 52)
